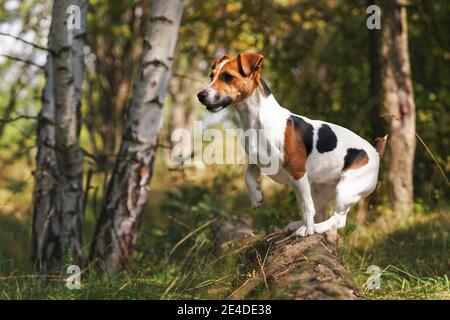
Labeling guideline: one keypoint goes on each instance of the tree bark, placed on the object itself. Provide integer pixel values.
(45, 189)
(117, 227)
(399, 108)
(282, 267)
(58, 193)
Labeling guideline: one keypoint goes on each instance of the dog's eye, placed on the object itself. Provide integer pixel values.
(226, 77)
(211, 76)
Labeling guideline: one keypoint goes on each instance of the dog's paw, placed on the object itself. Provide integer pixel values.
(304, 231)
(256, 199)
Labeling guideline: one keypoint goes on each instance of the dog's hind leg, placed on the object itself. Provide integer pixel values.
(252, 175)
(345, 199)
(349, 191)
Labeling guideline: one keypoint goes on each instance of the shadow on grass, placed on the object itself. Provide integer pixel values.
(420, 249)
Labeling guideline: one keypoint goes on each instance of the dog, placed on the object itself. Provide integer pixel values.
(321, 161)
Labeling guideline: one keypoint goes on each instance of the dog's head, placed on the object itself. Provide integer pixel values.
(232, 80)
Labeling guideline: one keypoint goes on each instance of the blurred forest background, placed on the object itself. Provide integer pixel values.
(319, 62)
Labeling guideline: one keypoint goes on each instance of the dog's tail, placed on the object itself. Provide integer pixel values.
(380, 144)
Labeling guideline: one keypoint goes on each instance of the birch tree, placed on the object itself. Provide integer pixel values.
(45, 188)
(57, 217)
(117, 227)
(398, 106)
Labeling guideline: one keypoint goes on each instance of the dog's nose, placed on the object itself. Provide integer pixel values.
(201, 96)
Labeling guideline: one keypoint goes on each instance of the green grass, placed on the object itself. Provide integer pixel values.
(413, 257)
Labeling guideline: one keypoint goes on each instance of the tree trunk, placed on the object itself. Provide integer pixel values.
(117, 227)
(399, 108)
(58, 191)
(46, 191)
(283, 267)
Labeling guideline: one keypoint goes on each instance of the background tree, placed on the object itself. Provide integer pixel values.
(398, 107)
(45, 188)
(117, 227)
(58, 188)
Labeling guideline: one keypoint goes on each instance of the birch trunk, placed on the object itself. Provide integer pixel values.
(58, 192)
(398, 105)
(117, 227)
(45, 188)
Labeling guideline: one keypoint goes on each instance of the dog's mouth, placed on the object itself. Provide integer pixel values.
(216, 107)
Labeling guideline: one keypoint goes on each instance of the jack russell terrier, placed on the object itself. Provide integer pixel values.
(320, 160)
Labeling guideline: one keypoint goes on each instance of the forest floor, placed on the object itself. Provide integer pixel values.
(174, 256)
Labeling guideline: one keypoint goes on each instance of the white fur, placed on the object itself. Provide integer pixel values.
(324, 179)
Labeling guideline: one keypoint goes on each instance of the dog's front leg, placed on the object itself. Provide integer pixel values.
(306, 205)
(252, 175)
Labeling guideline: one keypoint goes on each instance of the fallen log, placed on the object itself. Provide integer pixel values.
(286, 267)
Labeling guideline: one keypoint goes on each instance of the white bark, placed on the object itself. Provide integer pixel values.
(45, 188)
(117, 227)
(58, 218)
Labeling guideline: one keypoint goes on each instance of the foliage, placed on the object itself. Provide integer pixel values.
(316, 63)
(193, 271)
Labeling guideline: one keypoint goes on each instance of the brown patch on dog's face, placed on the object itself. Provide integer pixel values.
(228, 81)
(232, 80)
(218, 60)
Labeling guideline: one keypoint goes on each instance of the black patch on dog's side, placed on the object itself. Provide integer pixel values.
(266, 89)
(354, 156)
(305, 130)
(327, 140)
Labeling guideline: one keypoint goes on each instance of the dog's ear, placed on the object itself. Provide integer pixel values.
(218, 60)
(249, 63)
